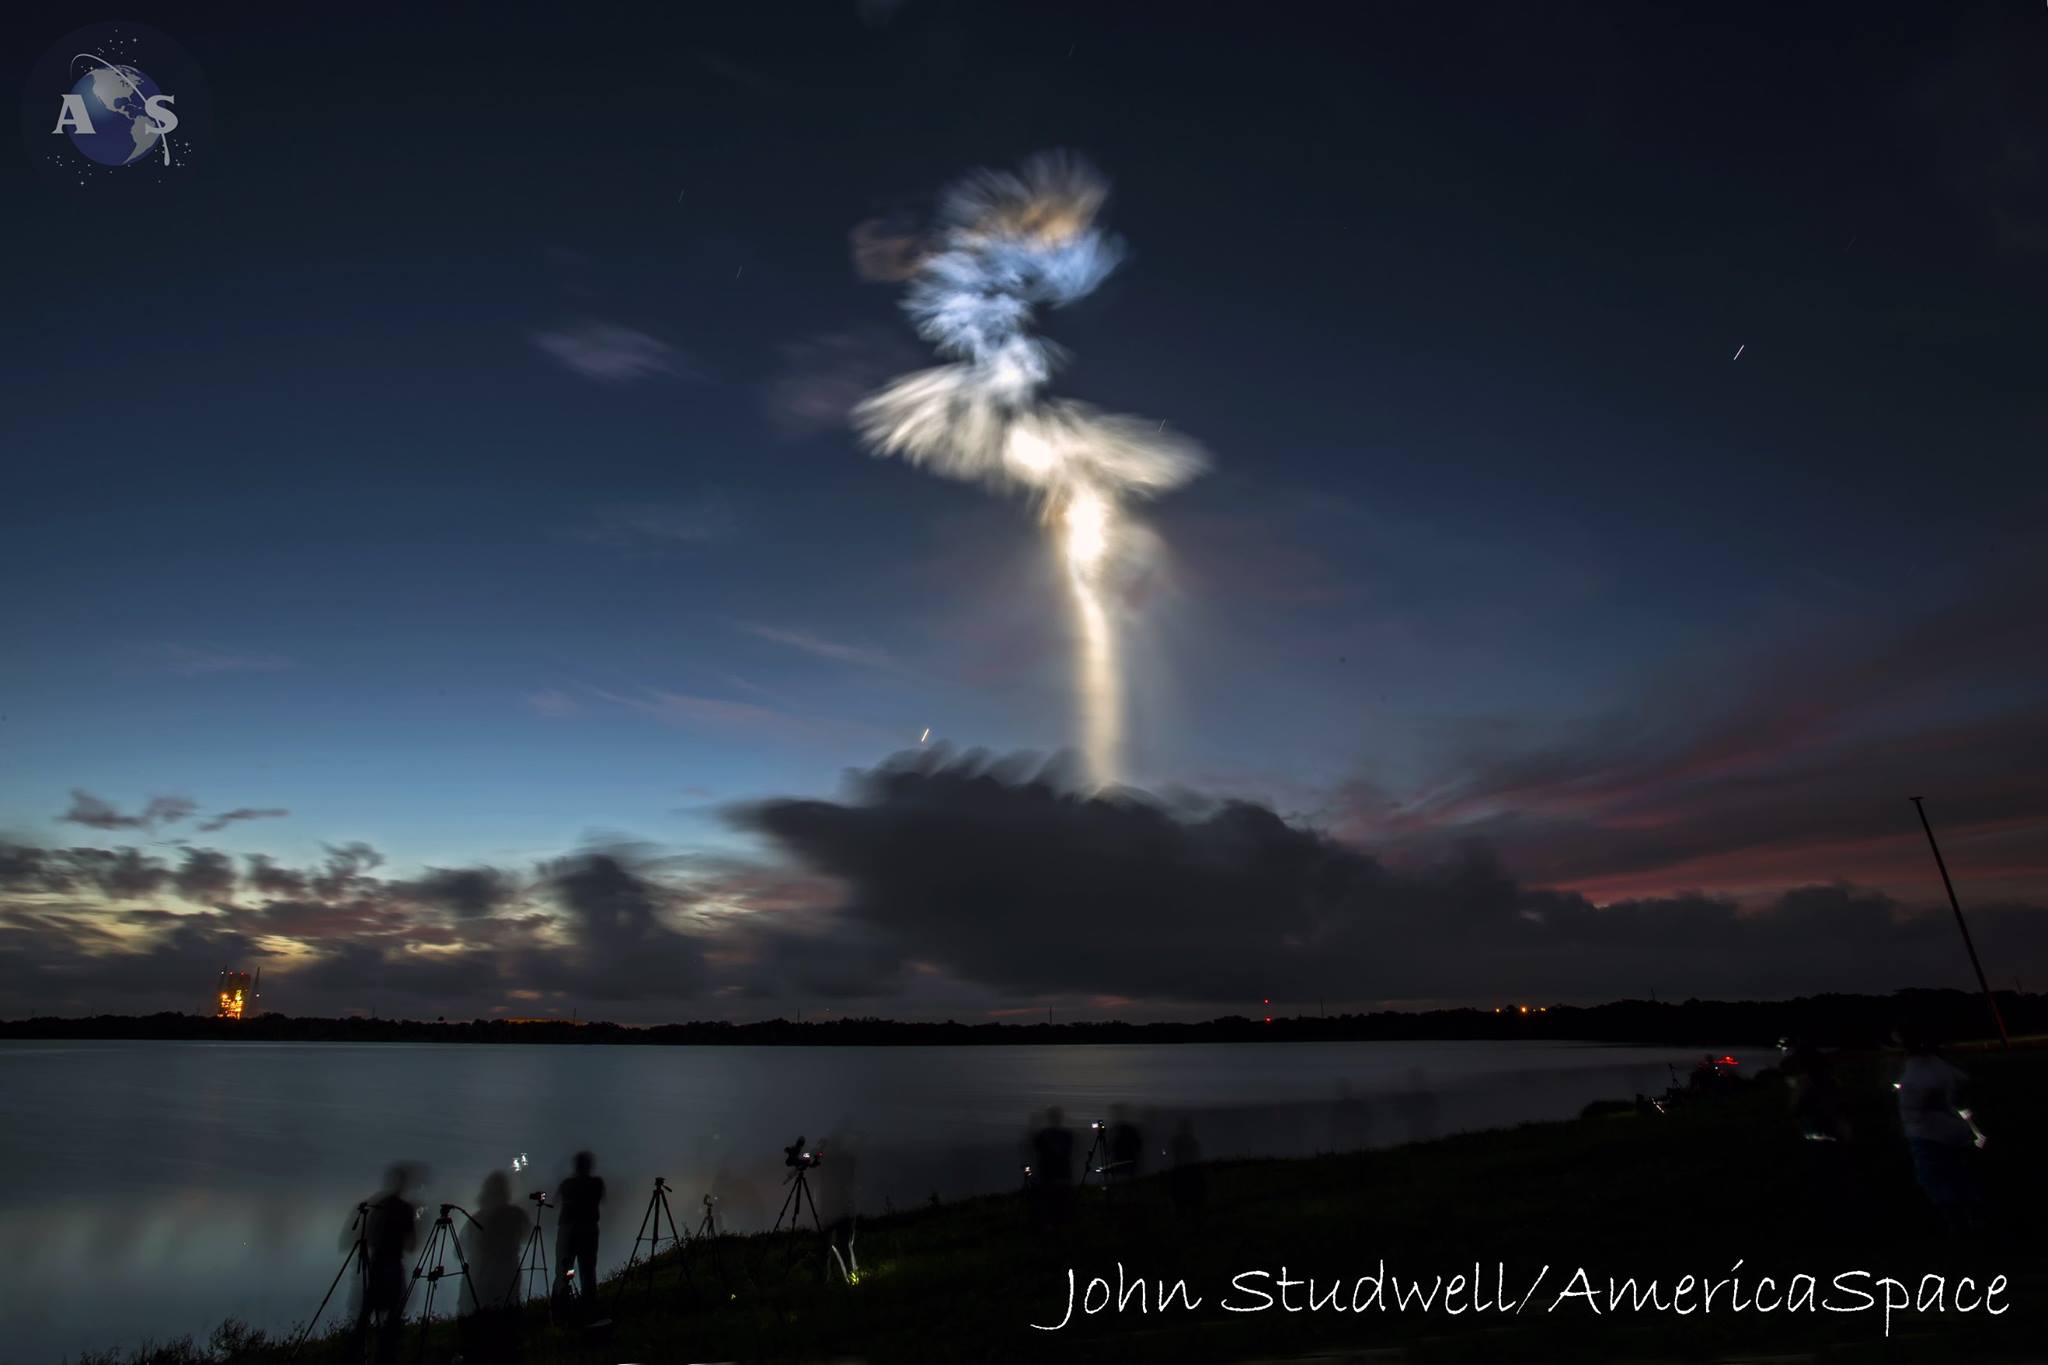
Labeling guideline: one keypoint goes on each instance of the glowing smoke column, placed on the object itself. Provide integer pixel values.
(1005, 246)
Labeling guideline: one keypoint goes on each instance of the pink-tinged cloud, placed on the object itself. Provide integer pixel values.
(1801, 775)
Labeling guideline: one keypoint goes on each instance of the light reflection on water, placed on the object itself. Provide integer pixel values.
(156, 1188)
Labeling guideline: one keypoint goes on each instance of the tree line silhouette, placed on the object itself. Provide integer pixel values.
(1833, 1020)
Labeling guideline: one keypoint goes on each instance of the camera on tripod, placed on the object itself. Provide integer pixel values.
(540, 1198)
(800, 1161)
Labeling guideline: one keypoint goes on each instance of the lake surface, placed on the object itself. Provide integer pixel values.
(155, 1188)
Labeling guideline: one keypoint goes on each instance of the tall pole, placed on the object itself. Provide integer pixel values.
(1956, 906)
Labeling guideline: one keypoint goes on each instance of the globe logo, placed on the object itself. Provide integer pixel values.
(116, 115)
(120, 107)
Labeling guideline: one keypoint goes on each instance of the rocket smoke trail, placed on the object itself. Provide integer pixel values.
(1006, 245)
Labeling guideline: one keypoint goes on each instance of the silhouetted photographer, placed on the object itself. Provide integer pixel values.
(1052, 1168)
(576, 1230)
(491, 1242)
(390, 1230)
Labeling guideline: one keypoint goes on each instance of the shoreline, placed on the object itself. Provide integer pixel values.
(1722, 1183)
(1832, 1020)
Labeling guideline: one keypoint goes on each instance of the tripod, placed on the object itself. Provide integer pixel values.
(533, 1260)
(358, 1256)
(657, 1210)
(1098, 1148)
(440, 1242)
(708, 1225)
(793, 1205)
(706, 1233)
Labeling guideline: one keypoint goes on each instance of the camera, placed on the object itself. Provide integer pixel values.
(795, 1157)
(539, 1197)
(1097, 1126)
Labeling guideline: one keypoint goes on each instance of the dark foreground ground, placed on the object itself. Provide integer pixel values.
(1719, 1189)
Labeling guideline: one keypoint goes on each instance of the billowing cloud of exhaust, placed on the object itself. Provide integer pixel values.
(1006, 246)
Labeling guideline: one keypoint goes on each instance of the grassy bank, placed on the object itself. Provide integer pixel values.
(1692, 1192)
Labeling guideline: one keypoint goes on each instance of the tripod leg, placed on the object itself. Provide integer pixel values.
(787, 1201)
(346, 1261)
(439, 1243)
(653, 1243)
(675, 1234)
(546, 1275)
(419, 1268)
(641, 1235)
(468, 1283)
(653, 1216)
(432, 1247)
(532, 1261)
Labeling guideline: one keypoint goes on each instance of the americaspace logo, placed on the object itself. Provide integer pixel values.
(115, 100)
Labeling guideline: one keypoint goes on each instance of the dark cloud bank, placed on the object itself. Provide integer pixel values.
(987, 877)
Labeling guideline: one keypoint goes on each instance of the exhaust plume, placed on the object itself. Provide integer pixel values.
(1007, 245)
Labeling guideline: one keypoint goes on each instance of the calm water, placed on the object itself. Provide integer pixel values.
(156, 1188)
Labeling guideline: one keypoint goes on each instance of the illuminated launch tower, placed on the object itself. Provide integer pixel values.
(238, 994)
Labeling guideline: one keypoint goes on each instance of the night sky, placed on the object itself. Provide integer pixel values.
(439, 569)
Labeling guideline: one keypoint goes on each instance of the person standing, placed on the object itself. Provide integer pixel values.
(576, 1229)
(491, 1242)
(1053, 1167)
(1941, 1130)
(389, 1235)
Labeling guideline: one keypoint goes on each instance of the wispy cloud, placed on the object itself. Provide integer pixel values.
(240, 813)
(94, 813)
(823, 377)
(553, 702)
(610, 353)
(820, 647)
(194, 661)
(683, 708)
(652, 526)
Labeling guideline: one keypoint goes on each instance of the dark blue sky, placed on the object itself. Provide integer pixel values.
(455, 457)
